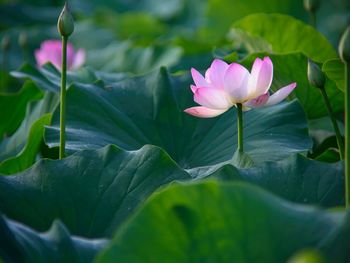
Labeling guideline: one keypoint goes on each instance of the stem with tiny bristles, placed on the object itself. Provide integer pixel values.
(240, 127)
(63, 98)
(347, 133)
(340, 141)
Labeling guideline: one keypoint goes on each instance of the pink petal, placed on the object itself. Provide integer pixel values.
(198, 78)
(212, 98)
(79, 59)
(235, 82)
(260, 77)
(281, 94)
(48, 45)
(53, 52)
(215, 74)
(258, 102)
(40, 57)
(204, 112)
(194, 88)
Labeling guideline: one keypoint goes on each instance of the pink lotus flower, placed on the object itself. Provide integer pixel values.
(226, 85)
(51, 51)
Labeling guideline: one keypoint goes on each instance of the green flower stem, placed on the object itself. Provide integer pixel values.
(4, 72)
(340, 141)
(240, 127)
(63, 98)
(347, 133)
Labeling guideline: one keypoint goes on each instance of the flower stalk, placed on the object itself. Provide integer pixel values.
(65, 27)
(63, 98)
(240, 127)
(347, 133)
(340, 141)
(339, 138)
(317, 78)
(344, 53)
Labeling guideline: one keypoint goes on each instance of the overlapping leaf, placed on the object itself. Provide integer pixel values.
(13, 108)
(296, 178)
(19, 151)
(335, 70)
(300, 37)
(26, 157)
(212, 222)
(92, 192)
(19, 243)
(221, 14)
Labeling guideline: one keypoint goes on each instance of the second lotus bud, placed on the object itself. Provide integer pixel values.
(315, 75)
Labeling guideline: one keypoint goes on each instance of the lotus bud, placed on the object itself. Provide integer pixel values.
(23, 40)
(315, 75)
(65, 24)
(344, 46)
(6, 43)
(311, 5)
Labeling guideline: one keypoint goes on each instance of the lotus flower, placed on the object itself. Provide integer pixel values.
(51, 51)
(226, 85)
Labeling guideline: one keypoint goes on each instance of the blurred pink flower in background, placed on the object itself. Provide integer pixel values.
(226, 85)
(51, 51)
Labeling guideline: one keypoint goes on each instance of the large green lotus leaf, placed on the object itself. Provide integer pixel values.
(18, 243)
(292, 67)
(13, 107)
(25, 140)
(295, 178)
(335, 70)
(27, 156)
(299, 36)
(149, 110)
(223, 222)
(91, 192)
